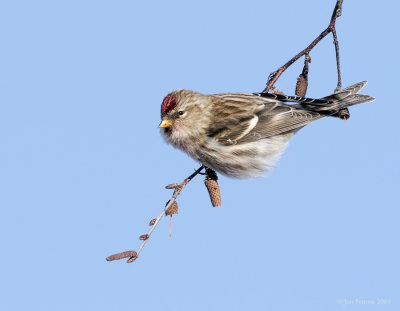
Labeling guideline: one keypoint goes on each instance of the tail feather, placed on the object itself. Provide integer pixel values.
(343, 98)
(329, 105)
(343, 93)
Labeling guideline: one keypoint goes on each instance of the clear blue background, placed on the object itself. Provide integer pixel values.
(83, 167)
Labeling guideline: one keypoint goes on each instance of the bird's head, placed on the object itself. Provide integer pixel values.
(182, 111)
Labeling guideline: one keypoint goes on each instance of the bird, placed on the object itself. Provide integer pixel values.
(242, 135)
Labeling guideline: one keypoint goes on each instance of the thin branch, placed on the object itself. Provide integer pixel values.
(145, 237)
(339, 74)
(343, 113)
(274, 76)
(211, 182)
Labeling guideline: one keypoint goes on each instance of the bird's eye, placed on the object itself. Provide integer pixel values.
(180, 112)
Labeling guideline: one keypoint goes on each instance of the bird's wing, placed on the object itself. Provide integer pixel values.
(244, 118)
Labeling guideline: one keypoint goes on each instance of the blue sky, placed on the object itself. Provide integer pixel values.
(83, 166)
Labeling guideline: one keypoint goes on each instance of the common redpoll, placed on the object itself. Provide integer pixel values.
(243, 135)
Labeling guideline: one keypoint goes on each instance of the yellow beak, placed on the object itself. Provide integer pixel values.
(165, 123)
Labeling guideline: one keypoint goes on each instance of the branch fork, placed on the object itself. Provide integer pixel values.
(337, 11)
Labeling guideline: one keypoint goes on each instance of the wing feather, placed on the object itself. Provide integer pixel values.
(249, 117)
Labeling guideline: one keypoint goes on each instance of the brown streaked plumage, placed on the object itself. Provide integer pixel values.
(242, 135)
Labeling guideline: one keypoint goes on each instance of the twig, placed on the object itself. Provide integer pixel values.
(339, 74)
(154, 222)
(211, 180)
(274, 76)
